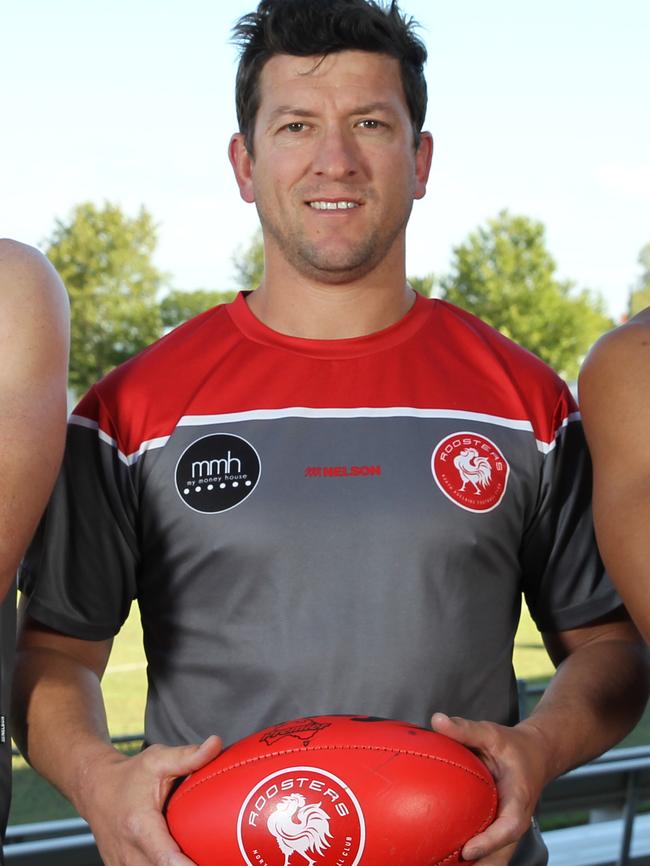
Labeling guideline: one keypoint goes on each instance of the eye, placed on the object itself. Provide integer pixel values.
(370, 123)
(296, 126)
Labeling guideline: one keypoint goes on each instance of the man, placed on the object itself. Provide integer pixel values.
(33, 374)
(329, 495)
(614, 386)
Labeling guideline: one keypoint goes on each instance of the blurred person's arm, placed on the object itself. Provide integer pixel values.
(34, 339)
(60, 726)
(615, 406)
(59, 719)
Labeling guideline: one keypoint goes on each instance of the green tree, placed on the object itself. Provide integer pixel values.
(249, 263)
(640, 295)
(504, 274)
(423, 285)
(179, 306)
(105, 260)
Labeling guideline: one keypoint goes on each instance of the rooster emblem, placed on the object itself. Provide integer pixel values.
(473, 469)
(299, 828)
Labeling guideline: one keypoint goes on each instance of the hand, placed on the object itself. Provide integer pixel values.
(515, 758)
(125, 796)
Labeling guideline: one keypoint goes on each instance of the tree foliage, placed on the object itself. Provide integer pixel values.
(105, 260)
(504, 274)
(179, 306)
(640, 295)
(249, 263)
(423, 285)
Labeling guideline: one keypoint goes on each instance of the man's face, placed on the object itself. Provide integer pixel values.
(334, 171)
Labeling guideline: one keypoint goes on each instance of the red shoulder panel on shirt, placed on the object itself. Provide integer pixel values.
(226, 361)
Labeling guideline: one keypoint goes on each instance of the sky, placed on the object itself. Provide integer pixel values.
(540, 108)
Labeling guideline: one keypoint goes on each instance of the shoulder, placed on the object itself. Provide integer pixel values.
(30, 288)
(532, 385)
(619, 362)
(143, 398)
(191, 347)
(34, 318)
(479, 332)
(621, 343)
(19, 261)
(613, 386)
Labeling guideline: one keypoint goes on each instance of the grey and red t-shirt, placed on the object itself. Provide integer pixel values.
(315, 526)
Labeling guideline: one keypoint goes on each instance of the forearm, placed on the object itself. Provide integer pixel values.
(62, 728)
(60, 721)
(596, 697)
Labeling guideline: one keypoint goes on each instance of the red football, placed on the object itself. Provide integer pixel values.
(334, 791)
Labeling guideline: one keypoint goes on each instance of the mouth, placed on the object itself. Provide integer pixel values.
(328, 204)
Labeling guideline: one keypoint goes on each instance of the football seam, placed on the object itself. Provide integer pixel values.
(449, 858)
(486, 823)
(411, 753)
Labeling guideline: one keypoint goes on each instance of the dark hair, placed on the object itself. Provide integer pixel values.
(307, 28)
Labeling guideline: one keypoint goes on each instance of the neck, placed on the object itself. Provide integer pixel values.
(298, 306)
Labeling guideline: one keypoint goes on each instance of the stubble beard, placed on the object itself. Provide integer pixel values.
(332, 266)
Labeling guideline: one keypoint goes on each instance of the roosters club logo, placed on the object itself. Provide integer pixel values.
(217, 472)
(301, 816)
(471, 471)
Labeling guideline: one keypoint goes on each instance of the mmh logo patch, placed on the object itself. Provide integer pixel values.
(217, 472)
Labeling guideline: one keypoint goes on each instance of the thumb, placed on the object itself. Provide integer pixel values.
(461, 730)
(442, 723)
(187, 759)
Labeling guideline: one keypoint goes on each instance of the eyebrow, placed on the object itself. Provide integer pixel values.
(369, 108)
(290, 109)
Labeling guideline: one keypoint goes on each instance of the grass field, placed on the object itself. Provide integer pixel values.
(124, 688)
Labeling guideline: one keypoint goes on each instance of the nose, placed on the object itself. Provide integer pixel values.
(336, 156)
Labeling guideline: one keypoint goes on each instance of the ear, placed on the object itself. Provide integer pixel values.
(242, 165)
(423, 156)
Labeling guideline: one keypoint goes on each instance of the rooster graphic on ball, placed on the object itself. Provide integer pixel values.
(299, 828)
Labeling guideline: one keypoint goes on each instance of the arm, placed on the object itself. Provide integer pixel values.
(58, 704)
(595, 698)
(34, 336)
(80, 576)
(615, 406)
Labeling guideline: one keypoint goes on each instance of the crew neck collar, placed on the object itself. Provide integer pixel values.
(252, 328)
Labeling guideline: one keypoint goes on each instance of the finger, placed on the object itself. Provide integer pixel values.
(473, 734)
(497, 858)
(157, 858)
(177, 858)
(170, 857)
(181, 760)
(154, 843)
(203, 754)
(507, 829)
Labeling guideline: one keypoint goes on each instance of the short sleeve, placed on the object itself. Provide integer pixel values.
(79, 573)
(565, 584)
